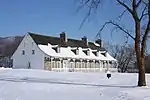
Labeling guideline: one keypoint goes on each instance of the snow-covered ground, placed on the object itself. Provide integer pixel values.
(21, 84)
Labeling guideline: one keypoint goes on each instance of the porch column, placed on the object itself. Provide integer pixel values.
(55, 64)
(59, 64)
(74, 61)
(99, 62)
(80, 65)
(62, 65)
(107, 63)
(71, 63)
(87, 66)
(67, 65)
(104, 64)
(94, 65)
(83, 65)
(74, 65)
(51, 66)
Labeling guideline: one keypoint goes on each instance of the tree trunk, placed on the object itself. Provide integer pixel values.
(141, 77)
(140, 59)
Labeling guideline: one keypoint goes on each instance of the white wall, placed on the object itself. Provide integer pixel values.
(21, 61)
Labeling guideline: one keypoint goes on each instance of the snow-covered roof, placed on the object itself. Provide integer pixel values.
(48, 50)
(66, 52)
(96, 44)
(110, 57)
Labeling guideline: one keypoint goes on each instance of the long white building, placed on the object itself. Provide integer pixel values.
(62, 54)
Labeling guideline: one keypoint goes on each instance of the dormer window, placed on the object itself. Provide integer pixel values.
(57, 49)
(96, 53)
(75, 51)
(104, 54)
(87, 52)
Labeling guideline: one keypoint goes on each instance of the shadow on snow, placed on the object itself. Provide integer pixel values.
(38, 80)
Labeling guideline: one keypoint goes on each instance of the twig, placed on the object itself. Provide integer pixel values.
(116, 25)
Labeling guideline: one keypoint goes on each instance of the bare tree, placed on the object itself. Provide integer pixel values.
(125, 54)
(140, 13)
(147, 64)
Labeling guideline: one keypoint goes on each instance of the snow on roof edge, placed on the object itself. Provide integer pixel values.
(47, 49)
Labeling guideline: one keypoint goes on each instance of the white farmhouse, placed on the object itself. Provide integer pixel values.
(62, 54)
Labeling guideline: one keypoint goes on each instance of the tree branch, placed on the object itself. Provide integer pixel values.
(116, 25)
(134, 7)
(143, 48)
(147, 31)
(92, 5)
(138, 4)
(143, 14)
(124, 5)
(82, 4)
(86, 17)
(120, 16)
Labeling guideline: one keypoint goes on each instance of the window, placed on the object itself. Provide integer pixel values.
(75, 51)
(33, 52)
(47, 59)
(104, 54)
(87, 52)
(23, 52)
(57, 49)
(96, 53)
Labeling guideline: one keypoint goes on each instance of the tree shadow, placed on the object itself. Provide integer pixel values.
(38, 80)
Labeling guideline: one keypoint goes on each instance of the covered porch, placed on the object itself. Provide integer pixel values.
(78, 65)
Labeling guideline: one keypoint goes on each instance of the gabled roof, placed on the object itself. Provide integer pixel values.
(44, 40)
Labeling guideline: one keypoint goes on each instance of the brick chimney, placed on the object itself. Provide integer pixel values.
(63, 37)
(100, 42)
(85, 40)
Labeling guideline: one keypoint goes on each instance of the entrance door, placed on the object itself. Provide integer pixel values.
(29, 65)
